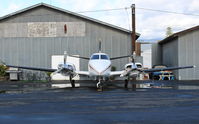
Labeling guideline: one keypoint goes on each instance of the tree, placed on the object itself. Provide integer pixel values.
(2, 70)
(169, 31)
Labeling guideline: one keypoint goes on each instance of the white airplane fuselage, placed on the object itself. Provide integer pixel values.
(99, 65)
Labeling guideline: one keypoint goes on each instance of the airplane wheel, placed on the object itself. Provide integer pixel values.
(73, 83)
(100, 88)
(126, 84)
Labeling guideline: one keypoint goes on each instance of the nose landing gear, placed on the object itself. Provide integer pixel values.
(99, 85)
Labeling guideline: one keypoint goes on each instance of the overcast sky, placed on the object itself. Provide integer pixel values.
(150, 24)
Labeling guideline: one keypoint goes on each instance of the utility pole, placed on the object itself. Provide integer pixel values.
(133, 35)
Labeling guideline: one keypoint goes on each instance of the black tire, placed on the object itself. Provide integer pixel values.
(73, 83)
(126, 84)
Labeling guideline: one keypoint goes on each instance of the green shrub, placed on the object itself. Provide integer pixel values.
(113, 68)
(3, 70)
(48, 73)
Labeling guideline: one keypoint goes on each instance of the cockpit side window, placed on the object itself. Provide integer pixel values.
(95, 57)
(104, 57)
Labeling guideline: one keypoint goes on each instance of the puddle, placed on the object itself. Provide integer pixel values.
(140, 87)
(187, 87)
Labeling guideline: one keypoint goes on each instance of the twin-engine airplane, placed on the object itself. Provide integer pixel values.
(99, 68)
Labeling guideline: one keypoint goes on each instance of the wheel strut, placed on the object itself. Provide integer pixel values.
(99, 85)
(72, 82)
(126, 83)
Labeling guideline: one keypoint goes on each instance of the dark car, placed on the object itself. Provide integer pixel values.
(161, 75)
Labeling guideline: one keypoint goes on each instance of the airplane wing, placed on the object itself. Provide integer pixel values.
(116, 73)
(166, 69)
(85, 73)
(33, 68)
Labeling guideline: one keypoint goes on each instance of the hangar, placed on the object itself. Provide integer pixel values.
(179, 49)
(30, 37)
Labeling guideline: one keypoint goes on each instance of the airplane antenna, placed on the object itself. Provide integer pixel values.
(65, 57)
(100, 46)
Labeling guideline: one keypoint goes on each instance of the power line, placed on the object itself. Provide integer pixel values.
(165, 11)
(147, 9)
(104, 10)
(128, 18)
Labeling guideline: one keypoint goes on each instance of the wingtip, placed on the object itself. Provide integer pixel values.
(194, 66)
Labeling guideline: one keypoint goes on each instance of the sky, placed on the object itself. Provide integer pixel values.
(150, 24)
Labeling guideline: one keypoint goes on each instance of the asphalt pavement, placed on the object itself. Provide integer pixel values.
(167, 105)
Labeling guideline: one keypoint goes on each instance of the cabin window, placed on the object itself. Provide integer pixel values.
(95, 57)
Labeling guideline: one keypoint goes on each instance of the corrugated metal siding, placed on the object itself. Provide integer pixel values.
(170, 54)
(188, 55)
(156, 54)
(37, 52)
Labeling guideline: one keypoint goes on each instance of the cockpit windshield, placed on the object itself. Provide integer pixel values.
(104, 57)
(95, 57)
(99, 56)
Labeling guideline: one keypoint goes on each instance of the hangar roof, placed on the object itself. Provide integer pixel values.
(175, 35)
(68, 12)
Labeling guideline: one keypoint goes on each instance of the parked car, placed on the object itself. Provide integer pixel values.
(161, 75)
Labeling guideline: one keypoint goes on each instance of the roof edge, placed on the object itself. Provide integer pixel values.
(175, 35)
(69, 12)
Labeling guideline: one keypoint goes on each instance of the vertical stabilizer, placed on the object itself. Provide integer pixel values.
(65, 57)
(100, 46)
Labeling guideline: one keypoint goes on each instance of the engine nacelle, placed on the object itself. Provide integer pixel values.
(130, 66)
(66, 69)
(132, 69)
(133, 66)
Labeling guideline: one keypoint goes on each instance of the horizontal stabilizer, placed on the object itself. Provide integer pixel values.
(120, 57)
(79, 57)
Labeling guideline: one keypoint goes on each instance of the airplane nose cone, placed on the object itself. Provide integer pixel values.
(100, 67)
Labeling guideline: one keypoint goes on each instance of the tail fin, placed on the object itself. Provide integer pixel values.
(65, 57)
(100, 46)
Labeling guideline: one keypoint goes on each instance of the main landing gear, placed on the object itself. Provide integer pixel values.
(72, 82)
(126, 83)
